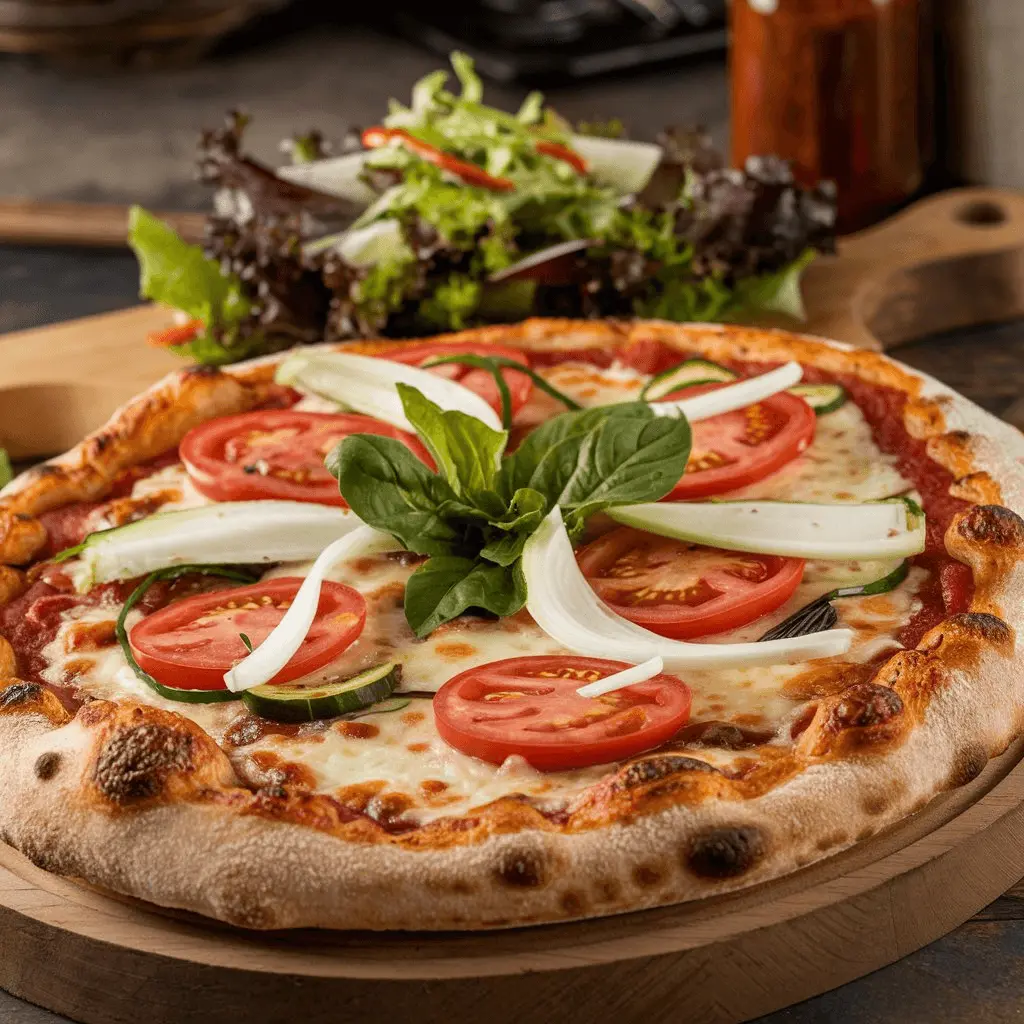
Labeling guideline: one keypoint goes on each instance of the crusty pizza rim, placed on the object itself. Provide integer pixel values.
(659, 830)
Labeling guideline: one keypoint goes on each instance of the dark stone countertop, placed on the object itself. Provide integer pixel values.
(130, 139)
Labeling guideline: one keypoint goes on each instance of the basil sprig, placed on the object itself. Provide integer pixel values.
(474, 516)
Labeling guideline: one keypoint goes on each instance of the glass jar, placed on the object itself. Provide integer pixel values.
(836, 88)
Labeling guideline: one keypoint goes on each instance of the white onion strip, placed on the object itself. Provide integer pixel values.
(249, 532)
(877, 529)
(565, 606)
(732, 396)
(286, 638)
(627, 677)
(366, 384)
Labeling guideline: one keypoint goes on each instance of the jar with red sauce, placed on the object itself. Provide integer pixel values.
(841, 89)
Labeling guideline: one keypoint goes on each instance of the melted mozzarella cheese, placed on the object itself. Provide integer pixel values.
(404, 757)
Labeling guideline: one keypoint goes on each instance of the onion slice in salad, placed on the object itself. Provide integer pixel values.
(286, 638)
(876, 529)
(367, 384)
(565, 606)
(225, 533)
(732, 396)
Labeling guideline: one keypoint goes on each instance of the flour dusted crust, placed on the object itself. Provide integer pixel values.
(142, 801)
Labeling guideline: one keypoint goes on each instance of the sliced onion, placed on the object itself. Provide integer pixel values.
(732, 396)
(335, 176)
(243, 532)
(565, 606)
(627, 677)
(877, 529)
(367, 384)
(286, 638)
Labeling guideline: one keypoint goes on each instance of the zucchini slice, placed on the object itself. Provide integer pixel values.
(686, 375)
(822, 398)
(290, 703)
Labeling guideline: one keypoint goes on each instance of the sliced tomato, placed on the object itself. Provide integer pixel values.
(471, 174)
(741, 447)
(519, 385)
(276, 454)
(191, 643)
(685, 590)
(530, 707)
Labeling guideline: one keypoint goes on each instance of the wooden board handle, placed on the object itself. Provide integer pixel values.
(101, 224)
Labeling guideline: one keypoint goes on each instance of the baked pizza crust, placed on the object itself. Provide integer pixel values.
(142, 801)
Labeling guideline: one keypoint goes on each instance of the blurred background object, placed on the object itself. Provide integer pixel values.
(842, 88)
(982, 43)
(122, 31)
(530, 40)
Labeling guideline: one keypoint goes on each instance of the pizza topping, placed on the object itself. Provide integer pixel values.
(726, 398)
(683, 590)
(279, 647)
(883, 529)
(686, 374)
(738, 448)
(295, 702)
(822, 398)
(564, 605)
(190, 644)
(820, 614)
(369, 385)
(202, 695)
(532, 708)
(231, 532)
(275, 454)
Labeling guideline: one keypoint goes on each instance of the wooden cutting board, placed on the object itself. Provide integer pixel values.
(950, 261)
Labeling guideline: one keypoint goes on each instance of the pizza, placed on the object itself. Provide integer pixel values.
(517, 625)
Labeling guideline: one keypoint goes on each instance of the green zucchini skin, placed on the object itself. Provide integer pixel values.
(294, 704)
(822, 398)
(687, 374)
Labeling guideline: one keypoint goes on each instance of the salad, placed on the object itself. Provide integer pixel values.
(452, 213)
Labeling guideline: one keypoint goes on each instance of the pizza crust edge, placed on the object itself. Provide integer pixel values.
(142, 801)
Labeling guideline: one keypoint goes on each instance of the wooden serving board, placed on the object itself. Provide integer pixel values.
(106, 960)
(950, 261)
(954, 260)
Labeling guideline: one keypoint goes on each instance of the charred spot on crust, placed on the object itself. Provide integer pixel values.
(992, 524)
(47, 765)
(652, 769)
(572, 903)
(136, 760)
(522, 869)
(968, 763)
(647, 876)
(20, 693)
(865, 705)
(989, 628)
(875, 803)
(725, 851)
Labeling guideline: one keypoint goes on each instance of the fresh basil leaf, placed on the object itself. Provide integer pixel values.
(507, 549)
(466, 450)
(525, 511)
(391, 490)
(601, 457)
(624, 458)
(445, 587)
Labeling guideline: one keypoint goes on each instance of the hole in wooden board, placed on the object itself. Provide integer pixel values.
(45, 419)
(982, 213)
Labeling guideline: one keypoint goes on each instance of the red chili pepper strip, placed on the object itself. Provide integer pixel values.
(564, 153)
(180, 334)
(378, 136)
